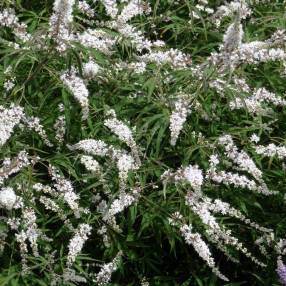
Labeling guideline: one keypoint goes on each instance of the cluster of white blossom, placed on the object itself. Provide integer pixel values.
(136, 37)
(9, 118)
(97, 148)
(233, 37)
(92, 147)
(200, 247)
(78, 89)
(202, 208)
(125, 163)
(252, 53)
(257, 52)
(218, 206)
(236, 53)
(68, 276)
(76, 243)
(244, 163)
(60, 22)
(191, 174)
(51, 203)
(60, 125)
(38, 187)
(85, 8)
(241, 85)
(8, 198)
(133, 8)
(124, 133)
(124, 200)
(120, 129)
(14, 222)
(90, 164)
(28, 231)
(271, 150)
(144, 282)
(222, 86)
(175, 58)
(10, 20)
(194, 176)
(64, 186)
(254, 138)
(104, 275)
(135, 67)
(110, 7)
(178, 118)
(237, 180)
(229, 9)
(21, 238)
(96, 39)
(254, 103)
(31, 229)
(33, 123)
(240, 158)
(11, 166)
(10, 79)
(60, 128)
(201, 7)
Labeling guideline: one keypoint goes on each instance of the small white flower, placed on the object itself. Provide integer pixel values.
(254, 138)
(214, 160)
(8, 85)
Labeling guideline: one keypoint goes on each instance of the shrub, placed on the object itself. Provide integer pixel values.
(142, 142)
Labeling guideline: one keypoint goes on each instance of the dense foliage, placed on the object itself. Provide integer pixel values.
(142, 142)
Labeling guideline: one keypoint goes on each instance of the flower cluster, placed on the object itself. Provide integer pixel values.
(11, 166)
(33, 123)
(8, 198)
(271, 150)
(77, 87)
(104, 275)
(10, 20)
(60, 22)
(9, 118)
(124, 134)
(76, 243)
(201, 248)
(255, 103)
(178, 118)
